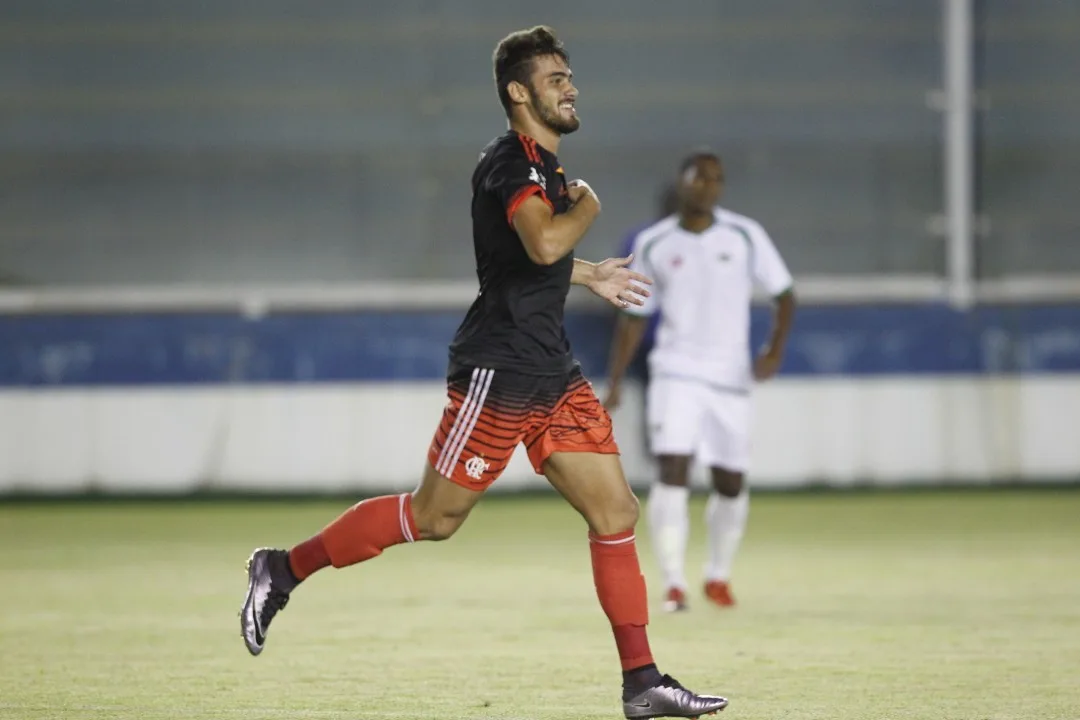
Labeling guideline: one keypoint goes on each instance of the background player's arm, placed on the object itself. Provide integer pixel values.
(771, 273)
(630, 329)
(629, 332)
(772, 356)
(547, 236)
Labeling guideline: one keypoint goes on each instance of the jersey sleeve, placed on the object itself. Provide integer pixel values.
(515, 176)
(641, 264)
(769, 270)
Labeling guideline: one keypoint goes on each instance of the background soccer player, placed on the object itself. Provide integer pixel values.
(705, 262)
(513, 379)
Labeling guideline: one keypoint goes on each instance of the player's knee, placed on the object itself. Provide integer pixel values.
(442, 528)
(434, 520)
(616, 516)
(438, 525)
(674, 470)
(727, 482)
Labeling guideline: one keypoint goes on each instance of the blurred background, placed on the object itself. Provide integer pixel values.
(234, 244)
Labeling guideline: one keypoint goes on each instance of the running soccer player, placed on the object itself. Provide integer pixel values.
(705, 261)
(512, 379)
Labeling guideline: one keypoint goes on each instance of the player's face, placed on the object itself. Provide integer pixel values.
(553, 95)
(701, 185)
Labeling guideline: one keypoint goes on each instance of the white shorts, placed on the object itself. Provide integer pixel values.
(689, 417)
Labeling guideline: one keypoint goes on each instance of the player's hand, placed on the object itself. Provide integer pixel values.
(767, 365)
(618, 284)
(614, 397)
(578, 189)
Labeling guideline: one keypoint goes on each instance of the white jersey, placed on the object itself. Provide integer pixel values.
(703, 285)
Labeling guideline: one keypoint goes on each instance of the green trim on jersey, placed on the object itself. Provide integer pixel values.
(746, 236)
(789, 290)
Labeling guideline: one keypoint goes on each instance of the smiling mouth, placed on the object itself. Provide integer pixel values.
(568, 105)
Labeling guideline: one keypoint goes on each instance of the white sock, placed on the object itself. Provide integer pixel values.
(725, 519)
(669, 525)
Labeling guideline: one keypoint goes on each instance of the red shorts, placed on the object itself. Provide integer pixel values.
(490, 411)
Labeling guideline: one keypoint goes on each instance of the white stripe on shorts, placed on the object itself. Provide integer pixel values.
(465, 421)
(405, 531)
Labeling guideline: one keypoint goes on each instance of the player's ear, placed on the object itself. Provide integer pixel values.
(518, 93)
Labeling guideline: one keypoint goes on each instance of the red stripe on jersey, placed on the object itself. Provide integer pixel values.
(530, 148)
(521, 196)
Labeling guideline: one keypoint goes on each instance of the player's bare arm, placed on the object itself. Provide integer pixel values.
(629, 332)
(771, 358)
(612, 280)
(547, 236)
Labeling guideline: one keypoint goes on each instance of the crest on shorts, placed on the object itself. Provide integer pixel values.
(476, 467)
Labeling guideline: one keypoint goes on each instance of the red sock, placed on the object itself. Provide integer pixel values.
(360, 533)
(621, 589)
(307, 557)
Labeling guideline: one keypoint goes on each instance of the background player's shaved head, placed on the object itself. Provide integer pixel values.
(692, 159)
(515, 55)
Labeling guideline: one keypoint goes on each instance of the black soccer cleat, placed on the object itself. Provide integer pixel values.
(670, 699)
(268, 592)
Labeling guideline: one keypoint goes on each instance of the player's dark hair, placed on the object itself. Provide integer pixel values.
(514, 55)
(695, 157)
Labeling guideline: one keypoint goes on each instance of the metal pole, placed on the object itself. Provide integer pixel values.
(959, 154)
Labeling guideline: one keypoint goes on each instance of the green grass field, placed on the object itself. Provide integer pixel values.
(937, 605)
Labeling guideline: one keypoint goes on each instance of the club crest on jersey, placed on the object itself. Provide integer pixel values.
(537, 178)
(475, 467)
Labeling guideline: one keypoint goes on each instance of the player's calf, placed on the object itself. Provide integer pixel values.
(725, 513)
(434, 512)
(360, 533)
(669, 527)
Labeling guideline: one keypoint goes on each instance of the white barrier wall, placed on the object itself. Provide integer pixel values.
(369, 438)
